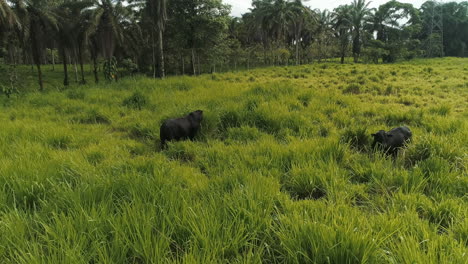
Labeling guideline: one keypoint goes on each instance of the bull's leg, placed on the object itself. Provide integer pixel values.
(394, 152)
(191, 134)
(163, 144)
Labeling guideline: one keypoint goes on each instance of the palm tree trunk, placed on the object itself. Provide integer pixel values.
(194, 69)
(356, 47)
(53, 59)
(39, 75)
(25, 56)
(11, 53)
(183, 64)
(93, 49)
(198, 61)
(153, 46)
(161, 54)
(80, 57)
(95, 71)
(116, 73)
(75, 66)
(297, 31)
(297, 49)
(65, 67)
(36, 58)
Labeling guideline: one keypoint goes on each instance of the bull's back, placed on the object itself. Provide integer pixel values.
(403, 131)
(174, 129)
(399, 136)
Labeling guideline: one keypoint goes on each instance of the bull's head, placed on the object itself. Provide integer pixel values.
(381, 137)
(196, 116)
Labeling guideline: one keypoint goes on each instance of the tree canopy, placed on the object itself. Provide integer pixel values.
(159, 37)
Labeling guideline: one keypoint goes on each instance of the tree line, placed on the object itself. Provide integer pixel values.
(159, 37)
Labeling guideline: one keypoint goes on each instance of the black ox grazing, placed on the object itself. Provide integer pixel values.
(180, 128)
(392, 140)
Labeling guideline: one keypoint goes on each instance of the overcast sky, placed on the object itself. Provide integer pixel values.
(242, 6)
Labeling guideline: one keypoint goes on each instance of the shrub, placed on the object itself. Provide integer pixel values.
(442, 110)
(251, 104)
(389, 90)
(305, 99)
(181, 151)
(182, 86)
(353, 88)
(76, 94)
(357, 138)
(139, 131)
(129, 66)
(229, 119)
(95, 157)
(243, 134)
(92, 116)
(59, 141)
(305, 184)
(136, 101)
(418, 152)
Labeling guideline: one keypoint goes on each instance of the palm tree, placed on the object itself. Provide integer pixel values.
(94, 51)
(8, 17)
(22, 32)
(359, 14)
(104, 29)
(157, 12)
(73, 27)
(9, 22)
(275, 17)
(300, 14)
(41, 20)
(342, 26)
(322, 30)
(65, 40)
(255, 28)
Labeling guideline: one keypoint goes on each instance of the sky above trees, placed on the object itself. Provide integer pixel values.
(239, 7)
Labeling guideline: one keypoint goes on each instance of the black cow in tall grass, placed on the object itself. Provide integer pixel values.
(392, 141)
(180, 128)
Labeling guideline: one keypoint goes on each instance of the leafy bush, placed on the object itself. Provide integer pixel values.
(353, 88)
(136, 101)
(59, 141)
(76, 94)
(357, 138)
(129, 66)
(92, 116)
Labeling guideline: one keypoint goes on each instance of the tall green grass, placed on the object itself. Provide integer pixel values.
(281, 171)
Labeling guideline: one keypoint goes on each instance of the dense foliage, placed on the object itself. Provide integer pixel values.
(192, 37)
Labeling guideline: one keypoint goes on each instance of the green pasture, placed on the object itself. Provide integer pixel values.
(281, 171)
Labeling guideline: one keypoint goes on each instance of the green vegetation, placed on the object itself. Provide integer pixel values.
(178, 37)
(280, 173)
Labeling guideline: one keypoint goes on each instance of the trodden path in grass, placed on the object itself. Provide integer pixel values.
(281, 172)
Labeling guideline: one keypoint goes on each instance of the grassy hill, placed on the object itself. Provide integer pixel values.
(282, 171)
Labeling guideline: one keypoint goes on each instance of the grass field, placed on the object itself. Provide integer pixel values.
(282, 171)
